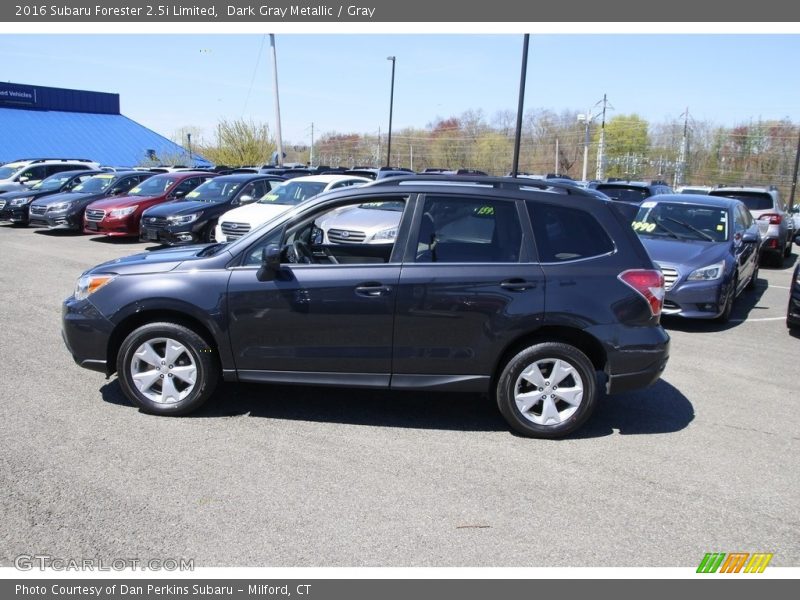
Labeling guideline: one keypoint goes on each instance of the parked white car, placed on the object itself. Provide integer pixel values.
(22, 174)
(237, 222)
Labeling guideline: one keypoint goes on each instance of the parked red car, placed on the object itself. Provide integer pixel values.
(120, 216)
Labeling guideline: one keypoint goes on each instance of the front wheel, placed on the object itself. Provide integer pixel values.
(727, 309)
(751, 285)
(167, 369)
(547, 390)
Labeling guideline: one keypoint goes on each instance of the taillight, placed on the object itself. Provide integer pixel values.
(649, 283)
(772, 218)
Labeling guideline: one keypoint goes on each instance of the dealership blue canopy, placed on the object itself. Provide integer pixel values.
(46, 122)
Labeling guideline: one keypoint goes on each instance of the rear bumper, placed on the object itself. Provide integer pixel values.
(636, 357)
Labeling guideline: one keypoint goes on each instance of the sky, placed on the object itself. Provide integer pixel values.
(341, 82)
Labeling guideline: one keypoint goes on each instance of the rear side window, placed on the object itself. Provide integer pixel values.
(564, 233)
(632, 194)
(752, 200)
(461, 230)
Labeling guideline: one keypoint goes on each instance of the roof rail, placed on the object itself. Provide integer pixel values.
(495, 182)
(39, 160)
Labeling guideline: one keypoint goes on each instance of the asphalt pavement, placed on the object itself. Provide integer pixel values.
(706, 460)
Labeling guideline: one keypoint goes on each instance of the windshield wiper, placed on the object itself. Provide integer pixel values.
(669, 231)
(691, 228)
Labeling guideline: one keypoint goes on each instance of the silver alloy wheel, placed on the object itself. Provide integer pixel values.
(549, 391)
(163, 370)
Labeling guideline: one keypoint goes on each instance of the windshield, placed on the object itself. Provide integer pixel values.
(98, 183)
(154, 186)
(752, 200)
(293, 192)
(682, 221)
(53, 182)
(9, 170)
(625, 193)
(214, 191)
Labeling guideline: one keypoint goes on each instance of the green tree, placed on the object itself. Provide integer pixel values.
(627, 145)
(240, 143)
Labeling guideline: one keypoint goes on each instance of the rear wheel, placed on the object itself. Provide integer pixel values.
(167, 369)
(547, 390)
(209, 234)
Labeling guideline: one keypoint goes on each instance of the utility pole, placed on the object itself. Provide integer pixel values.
(189, 144)
(520, 105)
(794, 177)
(600, 173)
(311, 152)
(680, 172)
(411, 156)
(556, 163)
(279, 140)
(379, 145)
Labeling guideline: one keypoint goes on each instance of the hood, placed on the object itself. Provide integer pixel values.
(63, 197)
(256, 213)
(693, 254)
(363, 219)
(121, 202)
(6, 185)
(179, 207)
(25, 194)
(156, 261)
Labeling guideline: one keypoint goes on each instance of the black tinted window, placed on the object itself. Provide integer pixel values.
(625, 193)
(457, 230)
(563, 233)
(752, 200)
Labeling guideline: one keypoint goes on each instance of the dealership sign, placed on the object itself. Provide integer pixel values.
(17, 94)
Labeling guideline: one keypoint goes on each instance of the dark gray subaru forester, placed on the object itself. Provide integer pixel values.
(527, 290)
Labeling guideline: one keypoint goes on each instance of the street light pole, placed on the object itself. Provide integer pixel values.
(391, 106)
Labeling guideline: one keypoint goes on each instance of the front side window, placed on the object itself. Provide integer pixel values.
(355, 233)
(466, 230)
(563, 233)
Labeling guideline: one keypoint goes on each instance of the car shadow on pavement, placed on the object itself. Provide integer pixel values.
(119, 241)
(658, 409)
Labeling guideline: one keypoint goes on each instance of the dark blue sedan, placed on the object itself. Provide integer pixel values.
(706, 247)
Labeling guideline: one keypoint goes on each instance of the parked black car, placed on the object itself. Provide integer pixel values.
(793, 312)
(630, 194)
(193, 218)
(65, 210)
(14, 206)
(486, 288)
(708, 249)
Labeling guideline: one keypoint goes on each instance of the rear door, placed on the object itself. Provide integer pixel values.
(468, 286)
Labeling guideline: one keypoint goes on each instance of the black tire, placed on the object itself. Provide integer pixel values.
(196, 353)
(751, 285)
(209, 232)
(728, 309)
(545, 354)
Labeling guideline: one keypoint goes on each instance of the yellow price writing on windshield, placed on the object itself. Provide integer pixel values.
(644, 226)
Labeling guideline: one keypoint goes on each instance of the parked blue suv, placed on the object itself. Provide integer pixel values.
(534, 292)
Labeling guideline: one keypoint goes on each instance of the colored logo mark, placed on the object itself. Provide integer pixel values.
(734, 562)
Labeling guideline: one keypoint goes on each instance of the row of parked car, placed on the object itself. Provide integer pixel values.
(709, 243)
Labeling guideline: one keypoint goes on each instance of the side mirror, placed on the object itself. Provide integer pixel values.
(749, 237)
(116, 191)
(23, 179)
(270, 262)
(179, 194)
(245, 199)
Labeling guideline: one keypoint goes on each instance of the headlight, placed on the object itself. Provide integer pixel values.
(89, 284)
(183, 219)
(59, 206)
(20, 201)
(708, 273)
(118, 213)
(386, 234)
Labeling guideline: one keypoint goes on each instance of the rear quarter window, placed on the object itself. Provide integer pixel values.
(564, 234)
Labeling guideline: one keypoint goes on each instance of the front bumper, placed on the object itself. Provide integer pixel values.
(696, 299)
(86, 334)
(15, 214)
(124, 227)
(59, 220)
(173, 235)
